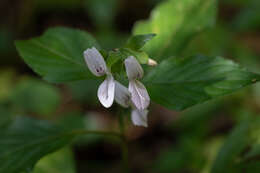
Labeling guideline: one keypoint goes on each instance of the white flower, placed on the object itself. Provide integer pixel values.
(135, 96)
(98, 67)
(139, 117)
(123, 97)
(139, 94)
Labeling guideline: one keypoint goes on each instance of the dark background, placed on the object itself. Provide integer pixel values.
(185, 142)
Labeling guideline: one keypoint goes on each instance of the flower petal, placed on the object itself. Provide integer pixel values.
(139, 94)
(139, 117)
(106, 91)
(122, 95)
(95, 61)
(133, 69)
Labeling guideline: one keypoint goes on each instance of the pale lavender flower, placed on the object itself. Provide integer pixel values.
(123, 97)
(139, 117)
(135, 96)
(98, 67)
(139, 94)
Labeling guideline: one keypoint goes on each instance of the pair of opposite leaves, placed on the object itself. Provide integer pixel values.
(136, 96)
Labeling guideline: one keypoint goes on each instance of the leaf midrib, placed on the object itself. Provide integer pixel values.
(55, 52)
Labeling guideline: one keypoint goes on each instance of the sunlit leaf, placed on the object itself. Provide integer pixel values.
(175, 22)
(181, 83)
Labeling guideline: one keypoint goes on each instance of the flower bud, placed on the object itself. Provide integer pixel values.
(151, 62)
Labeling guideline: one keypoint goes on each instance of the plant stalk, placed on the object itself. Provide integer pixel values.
(124, 147)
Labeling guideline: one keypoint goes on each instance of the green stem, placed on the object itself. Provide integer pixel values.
(120, 135)
(124, 146)
(92, 132)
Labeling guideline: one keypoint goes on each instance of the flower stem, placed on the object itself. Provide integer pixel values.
(121, 136)
(124, 146)
(92, 132)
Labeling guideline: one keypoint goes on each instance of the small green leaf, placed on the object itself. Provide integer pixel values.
(233, 146)
(141, 56)
(136, 42)
(58, 55)
(25, 141)
(180, 83)
(175, 22)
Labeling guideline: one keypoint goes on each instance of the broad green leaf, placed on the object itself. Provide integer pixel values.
(180, 83)
(36, 96)
(233, 146)
(25, 141)
(60, 161)
(58, 54)
(175, 22)
(136, 42)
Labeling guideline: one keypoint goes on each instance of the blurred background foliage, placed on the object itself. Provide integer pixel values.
(218, 136)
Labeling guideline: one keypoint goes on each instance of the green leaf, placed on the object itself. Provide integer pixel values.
(136, 42)
(233, 146)
(25, 141)
(175, 22)
(58, 54)
(36, 96)
(60, 161)
(180, 83)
